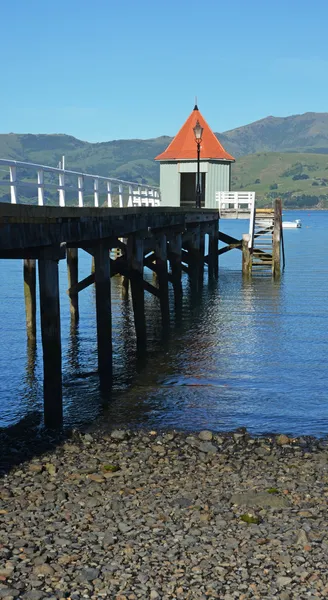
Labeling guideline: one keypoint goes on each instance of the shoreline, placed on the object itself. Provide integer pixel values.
(165, 515)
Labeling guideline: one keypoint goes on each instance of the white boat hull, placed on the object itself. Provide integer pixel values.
(292, 224)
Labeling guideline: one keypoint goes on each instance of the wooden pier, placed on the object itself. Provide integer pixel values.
(146, 237)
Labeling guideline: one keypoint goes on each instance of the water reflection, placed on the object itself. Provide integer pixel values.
(240, 352)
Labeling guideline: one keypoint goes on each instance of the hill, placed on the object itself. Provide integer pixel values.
(301, 180)
(298, 133)
(265, 150)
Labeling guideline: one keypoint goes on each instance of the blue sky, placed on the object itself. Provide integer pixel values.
(117, 69)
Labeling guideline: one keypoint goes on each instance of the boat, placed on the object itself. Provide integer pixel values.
(292, 224)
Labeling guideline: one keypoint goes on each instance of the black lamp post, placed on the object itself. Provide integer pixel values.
(198, 132)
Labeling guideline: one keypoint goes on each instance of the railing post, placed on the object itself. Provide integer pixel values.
(61, 189)
(40, 187)
(109, 194)
(80, 185)
(13, 186)
(120, 195)
(130, 201)
(96, 191)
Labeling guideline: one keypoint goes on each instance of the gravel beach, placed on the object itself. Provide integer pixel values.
(153, 515)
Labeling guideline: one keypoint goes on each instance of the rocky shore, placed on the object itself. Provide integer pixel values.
(150, 515)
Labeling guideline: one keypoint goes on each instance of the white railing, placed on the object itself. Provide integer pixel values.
(235, 200)
(80, 185)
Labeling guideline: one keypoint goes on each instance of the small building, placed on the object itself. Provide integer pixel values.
(178, 166)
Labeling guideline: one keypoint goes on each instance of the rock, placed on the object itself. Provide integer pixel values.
(108, 539)
(88, 437)
(205, 435)
(282, 439)
(51, 469)
(96, 477)
(124, 527)
(33, 595)
(119, 435)
(88, 574)
(208, 448)
(302, 538)
(35, 468)
(154, 595)
(283, 581)
(262, 499)
(44, 569)
(6, 592)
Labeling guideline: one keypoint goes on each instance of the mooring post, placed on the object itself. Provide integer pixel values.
(246, 256)
(213, 238)
(104, 315)
(51, 342)
(175, 248)
(72, 273)
(160, 251)
(276, 237)
(135, 255)
(30, 297)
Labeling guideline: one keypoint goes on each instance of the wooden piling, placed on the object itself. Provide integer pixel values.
(213, 240)
(104, 315)
(246, 256)
(72, 273)
(135, 254)
(30, 297)
(276, 238)
(51, 342)
(160, 251)
(175, 251)
(195, 246)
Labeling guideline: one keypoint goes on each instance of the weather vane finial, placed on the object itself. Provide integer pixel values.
(195, 107)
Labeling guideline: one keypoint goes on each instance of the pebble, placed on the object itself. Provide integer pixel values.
(186, 516)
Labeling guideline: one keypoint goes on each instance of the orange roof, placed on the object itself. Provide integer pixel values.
(183, 146)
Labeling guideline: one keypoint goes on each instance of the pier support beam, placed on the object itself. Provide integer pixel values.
(195, 246)
(213, 257)
(135, 255)
(276, 238)
(160, 251)
(175, 251)
(51, 342)
(73, 278)
(104, 315)
(30, 297)
(246, 256)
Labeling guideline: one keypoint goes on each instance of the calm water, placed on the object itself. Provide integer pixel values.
(248, 354)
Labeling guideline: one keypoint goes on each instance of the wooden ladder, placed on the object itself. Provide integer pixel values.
(262, 261)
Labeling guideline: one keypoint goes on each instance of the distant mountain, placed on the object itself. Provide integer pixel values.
(298, 133)
(133, 160)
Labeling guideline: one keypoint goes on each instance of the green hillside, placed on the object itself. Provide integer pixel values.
(299, 179)
(286, 156)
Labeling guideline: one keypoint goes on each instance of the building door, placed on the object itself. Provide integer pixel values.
(188, 189)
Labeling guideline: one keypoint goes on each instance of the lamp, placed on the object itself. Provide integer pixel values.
(198, 132)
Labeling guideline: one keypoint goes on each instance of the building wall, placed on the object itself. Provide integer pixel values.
(170, 184)
(218, 180)
(218, 177)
